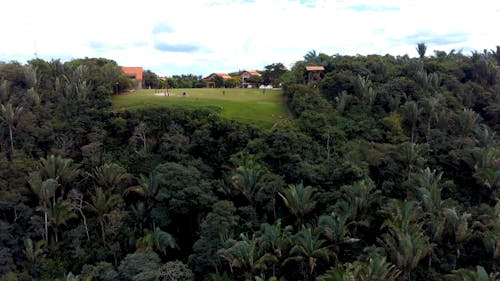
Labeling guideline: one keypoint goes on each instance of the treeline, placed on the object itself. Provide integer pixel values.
(389, 171)
(271, 75)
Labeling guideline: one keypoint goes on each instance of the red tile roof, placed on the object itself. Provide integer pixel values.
(224, 76)
(253, 72)
(315, 68)
(133, 70)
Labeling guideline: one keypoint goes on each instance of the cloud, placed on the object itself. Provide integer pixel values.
(434, 39)
(308, 3)
(369, 8)
(205, 36)
(162, 27)
(104, 46)
(140, 44)
(176, 48)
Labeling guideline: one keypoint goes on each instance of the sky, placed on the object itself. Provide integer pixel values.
(173, 37)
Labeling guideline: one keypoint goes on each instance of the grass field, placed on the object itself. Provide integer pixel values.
(251, 106)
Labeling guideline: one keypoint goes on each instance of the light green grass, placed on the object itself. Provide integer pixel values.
(251, 106)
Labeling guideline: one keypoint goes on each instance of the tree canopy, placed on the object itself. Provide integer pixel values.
(389, 170)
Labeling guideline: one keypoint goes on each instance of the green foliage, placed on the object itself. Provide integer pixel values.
(139, 266)
(299, 200)
(183, 188)
(102, 271)
(397, 160)
(479, 274)
(175, 271)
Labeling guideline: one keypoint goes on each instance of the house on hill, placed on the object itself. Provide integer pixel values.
(211, 81)
(314, 72)
(248, 77)
(134, 73)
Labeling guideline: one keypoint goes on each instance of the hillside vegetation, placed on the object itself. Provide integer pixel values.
(389, 171)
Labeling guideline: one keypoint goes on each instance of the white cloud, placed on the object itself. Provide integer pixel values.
(199, 37)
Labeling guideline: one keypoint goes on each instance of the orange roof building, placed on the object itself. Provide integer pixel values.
(245, 75)
(134, 73)
(224, 76)
(314, 72)
(248, 73)
(209, 80)
(315, 68)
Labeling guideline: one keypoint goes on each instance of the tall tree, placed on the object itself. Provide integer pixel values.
(46, 191)
(63, 170)
(247, 255)
(101, 204)
(309, 249)
(9, 115)
(299, 200)
(421, 49)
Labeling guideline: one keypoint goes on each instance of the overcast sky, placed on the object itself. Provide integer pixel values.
(205, 36)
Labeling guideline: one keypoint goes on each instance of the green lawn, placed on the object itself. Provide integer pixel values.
(251, 106)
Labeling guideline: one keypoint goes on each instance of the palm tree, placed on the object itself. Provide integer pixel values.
(148, 189)
(485, 162)
(247, 255)
(156, 240)
(411, 113)
(33, 252)
(336, 227)
(430, 106)
(467, 122)
(410, 154)
(109, 176)
(459, 224)
(405, 241)
(248, 177)
(489, 225)
(59, 213)
(275, 238)
(428, 183)
(485, 136)
(421, 49)
(308, 249)
(337, 274)
(311, 57)
(45, 190)
(496, 55)
(402, 215)
(10, 115)
(376, 268)
(101, 204)
(63, 170)
(342, 100)
(361, 195)
(299, 200)
(406, 247)
(469, 275)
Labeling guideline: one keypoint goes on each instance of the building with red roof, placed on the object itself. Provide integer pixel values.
(134, 73)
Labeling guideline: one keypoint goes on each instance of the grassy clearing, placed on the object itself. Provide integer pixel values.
(251, 106)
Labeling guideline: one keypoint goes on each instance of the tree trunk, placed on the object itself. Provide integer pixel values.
(11, 140)
(85, 225)
(101, 222)
(46, 227)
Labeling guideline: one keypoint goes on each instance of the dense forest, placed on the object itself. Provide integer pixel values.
(388, 170)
